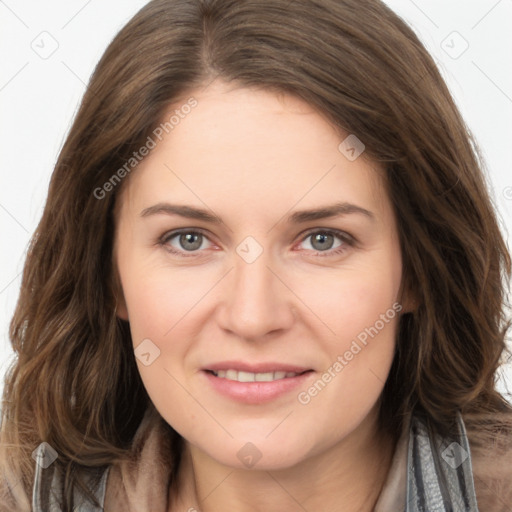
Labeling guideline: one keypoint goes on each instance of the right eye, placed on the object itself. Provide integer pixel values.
(183, 241)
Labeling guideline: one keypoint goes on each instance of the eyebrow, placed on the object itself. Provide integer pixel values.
(298, 217)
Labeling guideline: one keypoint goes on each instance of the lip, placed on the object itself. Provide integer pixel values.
(262, 367)
(256, 392)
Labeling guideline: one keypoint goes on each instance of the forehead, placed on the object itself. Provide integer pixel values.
(252, 149)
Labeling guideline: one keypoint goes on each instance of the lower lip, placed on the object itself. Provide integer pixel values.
(256, 392)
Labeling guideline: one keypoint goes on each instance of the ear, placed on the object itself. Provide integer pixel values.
(117, 287)
(121, 308)
(408, 298)
(409, 304)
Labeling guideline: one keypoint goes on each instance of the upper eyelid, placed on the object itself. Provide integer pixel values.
(168, 235)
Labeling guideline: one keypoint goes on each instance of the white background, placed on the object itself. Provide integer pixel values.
(39, 97)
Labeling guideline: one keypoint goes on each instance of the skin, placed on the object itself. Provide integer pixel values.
(253, 158)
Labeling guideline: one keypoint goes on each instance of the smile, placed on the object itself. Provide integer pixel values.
(241, 376)
(256, 387)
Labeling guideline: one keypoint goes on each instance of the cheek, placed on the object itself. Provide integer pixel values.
(362, 317)
(359, 314)
(161, 305)
(358, 361)
(157, 299)
(349, 301)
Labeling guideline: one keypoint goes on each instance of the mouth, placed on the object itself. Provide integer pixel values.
(256, 383)
(243, 376)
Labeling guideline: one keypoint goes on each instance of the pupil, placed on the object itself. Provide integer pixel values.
(191, 238)
(322, 238)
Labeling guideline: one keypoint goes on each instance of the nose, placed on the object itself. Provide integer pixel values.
(255, 300)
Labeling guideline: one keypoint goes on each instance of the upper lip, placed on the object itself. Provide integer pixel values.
(263, 367)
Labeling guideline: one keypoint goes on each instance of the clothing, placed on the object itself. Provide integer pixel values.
(426, 475)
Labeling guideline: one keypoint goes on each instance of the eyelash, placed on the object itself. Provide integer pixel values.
(348, 240)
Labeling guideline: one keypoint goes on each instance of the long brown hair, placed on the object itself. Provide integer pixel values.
(75, 384)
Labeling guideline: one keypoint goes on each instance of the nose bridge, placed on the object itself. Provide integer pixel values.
(256, 302)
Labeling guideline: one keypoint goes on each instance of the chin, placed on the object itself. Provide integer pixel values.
(262, 452)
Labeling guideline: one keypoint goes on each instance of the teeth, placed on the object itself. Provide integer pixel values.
(253, 377)
(231, 374)
(264, 377)
(246, 377)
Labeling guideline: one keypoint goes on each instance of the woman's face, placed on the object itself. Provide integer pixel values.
(249, 280)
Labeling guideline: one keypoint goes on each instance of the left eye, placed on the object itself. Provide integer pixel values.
(323, 241)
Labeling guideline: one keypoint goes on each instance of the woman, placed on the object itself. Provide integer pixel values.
(330, 338)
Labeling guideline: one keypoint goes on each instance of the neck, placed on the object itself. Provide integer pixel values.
(352, 472)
